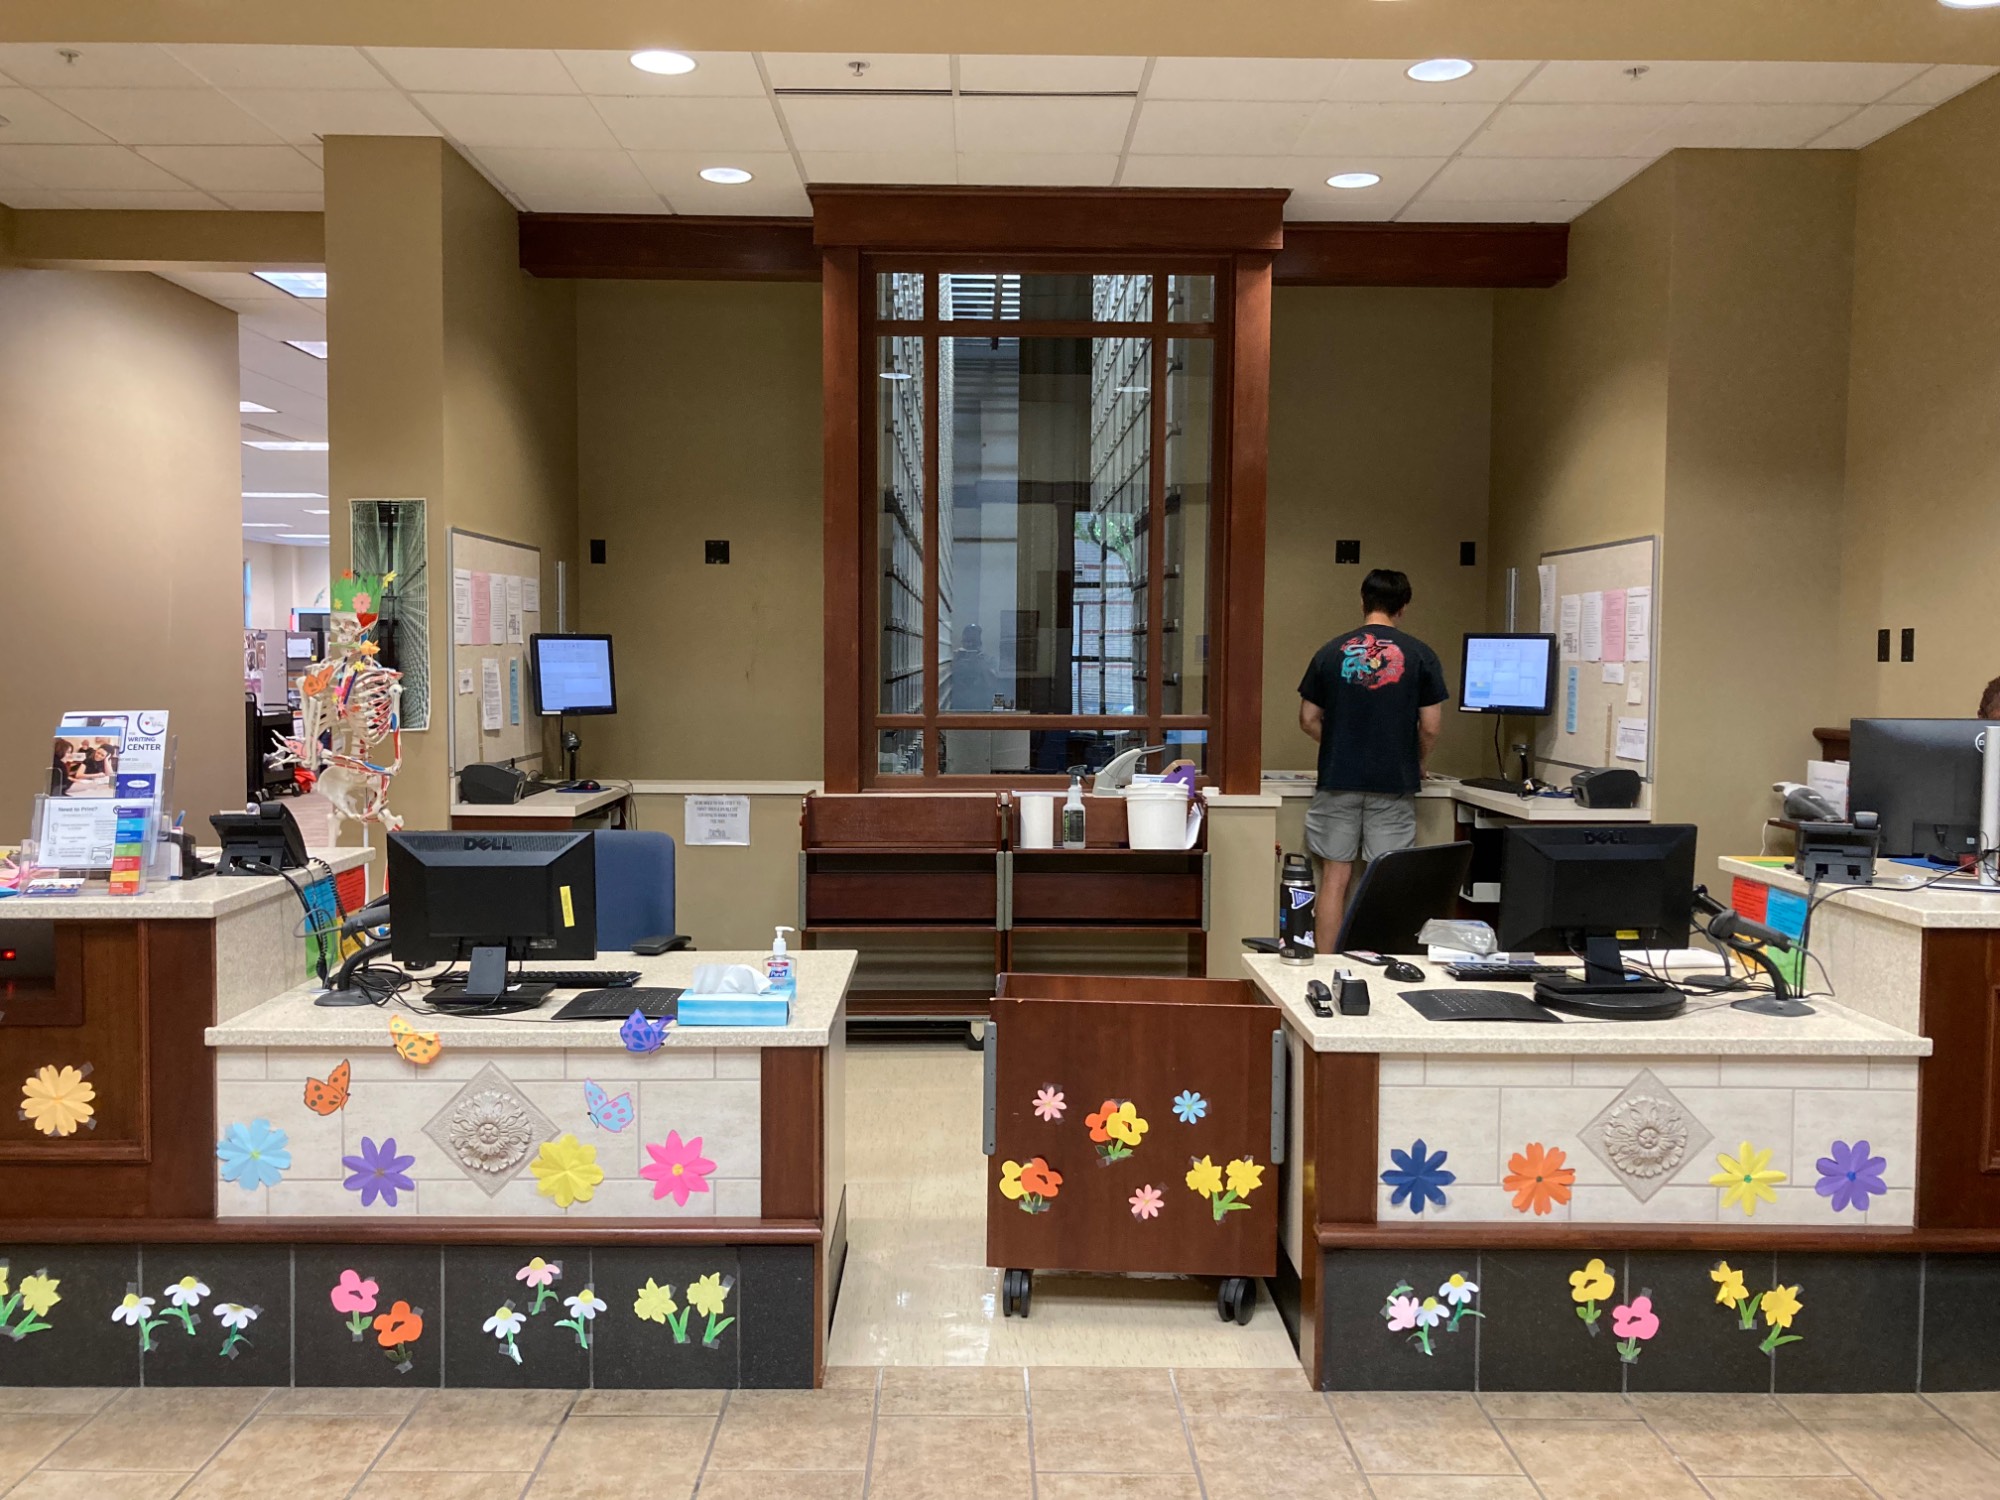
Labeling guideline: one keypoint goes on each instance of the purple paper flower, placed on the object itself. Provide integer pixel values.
(1419, 1177)
(379, 1172)
(1850, 1176)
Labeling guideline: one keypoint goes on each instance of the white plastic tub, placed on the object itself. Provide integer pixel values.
(1156, 816)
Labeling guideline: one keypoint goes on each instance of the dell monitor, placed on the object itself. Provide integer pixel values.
(1920, 777)
(1508, 674)
(1593, 888)
(572, 674)
(489, 899)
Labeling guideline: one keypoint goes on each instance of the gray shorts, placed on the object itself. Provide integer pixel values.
(1346, 826)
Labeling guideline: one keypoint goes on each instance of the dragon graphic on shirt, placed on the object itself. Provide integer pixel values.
(1370, 662)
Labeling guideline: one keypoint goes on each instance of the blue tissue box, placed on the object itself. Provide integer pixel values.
(734, 1010)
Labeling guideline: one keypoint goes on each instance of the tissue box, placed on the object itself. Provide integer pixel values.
(734, 1010)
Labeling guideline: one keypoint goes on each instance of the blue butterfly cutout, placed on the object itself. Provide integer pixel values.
(641, 1035)
(1418, 1178)
(605, 1111)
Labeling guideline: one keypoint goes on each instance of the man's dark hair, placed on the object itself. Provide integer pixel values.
(1989, 701)
(1385, 591)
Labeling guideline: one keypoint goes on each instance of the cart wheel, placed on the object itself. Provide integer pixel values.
(1237, 1300)
(1016, 1291)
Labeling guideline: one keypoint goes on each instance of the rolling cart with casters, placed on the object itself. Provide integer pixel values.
(1134, 1125)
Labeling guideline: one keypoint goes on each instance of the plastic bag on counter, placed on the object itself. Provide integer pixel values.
(1475, 939)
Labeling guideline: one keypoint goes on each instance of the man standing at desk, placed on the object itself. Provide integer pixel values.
(1371, 698)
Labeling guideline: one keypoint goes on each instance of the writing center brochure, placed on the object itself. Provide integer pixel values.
(98, 760)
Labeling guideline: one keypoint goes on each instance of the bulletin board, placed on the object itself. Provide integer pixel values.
(1606, 719)
(486, 558)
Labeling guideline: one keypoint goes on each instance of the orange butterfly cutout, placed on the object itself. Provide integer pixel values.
(328, 1096)
(412, 1045)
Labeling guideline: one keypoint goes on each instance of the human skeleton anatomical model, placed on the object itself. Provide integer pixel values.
(349, 704)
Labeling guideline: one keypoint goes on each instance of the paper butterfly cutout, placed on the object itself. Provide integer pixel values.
(325, 1097)
(641, 1035)
(605, 1111)
(412, 1045)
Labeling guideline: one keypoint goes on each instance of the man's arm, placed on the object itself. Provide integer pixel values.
(1430, 720)
(1312, 719)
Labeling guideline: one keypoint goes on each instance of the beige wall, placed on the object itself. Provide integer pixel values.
(699, 417)
(1379, 431)
(284, 578)
(120, 523)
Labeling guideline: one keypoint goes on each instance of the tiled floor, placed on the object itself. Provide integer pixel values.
(917, 1289)
(1062, 1433)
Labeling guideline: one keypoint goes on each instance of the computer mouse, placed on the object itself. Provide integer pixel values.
(585, 786)
(1403, 971)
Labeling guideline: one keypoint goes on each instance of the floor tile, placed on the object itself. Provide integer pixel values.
(1786, 1489)
(1421, 1432)
(1453, 1487)
(1899, 1448)
(851, 1377)
(942, 1458)
(317, 1455)
(1107, 1436)
(624, 1458)
(502, 1431)
(794, 1430)
(341, 1401)
(800, 1485)
(647, 1404)
(973, 1391)
(158, 1429)
(1735, 1434)
(1115, 1487)
(1598, 1461)
(1274, 1459)
(1129, 1383)
(1978, 1412)
(465, 1484)
(27, 1441)
(1571, 1406)
(55, 1400)
(1248, 1393)
(82, 1484)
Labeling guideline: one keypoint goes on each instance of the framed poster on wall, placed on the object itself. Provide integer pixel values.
(389, 537)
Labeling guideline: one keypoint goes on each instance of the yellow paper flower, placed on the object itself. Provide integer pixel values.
(655, 1302)
(1592, 1284)
(38, 1293)
(3, 1278)
(1245, 1177)
(1780, 1305)
(1124, 1124)
(1747, 1178)
(1010, 1180)
(568, 1171)
(1729, 1288)
(57, 1101)
(707, 1294)
(1205, 1177)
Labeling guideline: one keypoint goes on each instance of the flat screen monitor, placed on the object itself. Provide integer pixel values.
(1920, 777)
(532, 895)
(1508, 674)
(573, 674)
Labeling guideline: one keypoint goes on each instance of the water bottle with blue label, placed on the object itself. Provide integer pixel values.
(1296, 894)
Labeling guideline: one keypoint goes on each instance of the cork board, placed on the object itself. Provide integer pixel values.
(1612, 568)
(519, 736)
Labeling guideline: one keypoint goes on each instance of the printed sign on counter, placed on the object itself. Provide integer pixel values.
(718, 821)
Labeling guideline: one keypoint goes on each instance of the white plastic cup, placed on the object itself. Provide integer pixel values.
(1156, 817)
(1038, 819)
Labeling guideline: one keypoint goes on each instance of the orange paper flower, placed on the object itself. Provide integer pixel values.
(1098, 1121)
(1537, 1178)
(399, 1325)
(1039, 1178)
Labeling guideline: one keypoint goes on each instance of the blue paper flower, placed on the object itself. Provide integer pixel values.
(1190, 1106)
(378, 1172)
(1850, 1176)
(1417, 1177)
(254, 1155)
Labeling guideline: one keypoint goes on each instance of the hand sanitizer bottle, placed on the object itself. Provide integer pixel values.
(1072, 817)
(778, 972)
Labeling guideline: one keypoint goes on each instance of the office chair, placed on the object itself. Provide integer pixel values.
(1397, 894)
(635, 887)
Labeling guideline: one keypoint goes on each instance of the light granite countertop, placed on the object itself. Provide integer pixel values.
(292, 1020)
(1957, 905)
(1709, 1027)
(210, 896)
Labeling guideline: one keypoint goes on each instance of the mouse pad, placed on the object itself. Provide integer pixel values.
(1477, 1005)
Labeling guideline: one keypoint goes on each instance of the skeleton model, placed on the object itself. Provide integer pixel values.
(350, 704)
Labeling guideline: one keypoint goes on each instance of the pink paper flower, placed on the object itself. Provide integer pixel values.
(1146, 1202)
(1403, 1313)
(678, 1168)
(355, 1293)
(1049, 1103)
(1637, 1320)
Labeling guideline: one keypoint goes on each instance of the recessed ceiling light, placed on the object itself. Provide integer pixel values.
(315, 347)
(286, 447)
(283, 495)
(302, 536)
(311, 512)
(263, 525)
(1970, 4)
(730, 175)
(895, 375)
(653, 60)
(308, 284)
(253, 406)
(1352, 180)
(1440, 70)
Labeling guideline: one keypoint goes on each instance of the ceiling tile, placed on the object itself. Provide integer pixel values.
(1866, 126)
(1613, 82)
(32, 120)
(537, 174)
(1428, 210)
(294, 318)
(302, 116)
(1499, 179)
(1207, 128)
(676, 175)
(1746, 127)
(1050, 126)
(41, 65)
(1810, 83)
(255, 169)
(1573, 130)
(1050, 75)
(1403, 180)
(1211, 171)
(1220, 78)
(1379, 81)
(226, 287)
(21, 196)
(880, 166)
(282, 363)
(130, 198)
(1003, 169)
(85, 168)
(544, 120)
(760, 199)
(1330, 207)
(272, 203)
(831, 70)
(716, 74)
(164, 117)
(863, 124)
(700, 124)
(1390, 129)
(1945, 81)
(275, 67)
(474, 70)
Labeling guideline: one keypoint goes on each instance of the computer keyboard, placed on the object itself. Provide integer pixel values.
(579, 979)
(616, 1005)
(1493, 784)
(1491, 972)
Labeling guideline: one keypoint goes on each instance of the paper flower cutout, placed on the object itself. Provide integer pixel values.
(566, 1170)
(33, 1299)
(1245, 1176)
(1430, 1313)
(378, 1172)
(542, 1276)
(707, 1295)
(504, 1325)
(56, 1101)
(354, 1294)
(1746, 1178)
(678, 1168)
(1117, 1128)
(254, 1155)
(654, 1303)
(1779, 1305)
(1634, 1322)
(38, 1294)
(397, 1329)
(1402, 1314)
(1049, 1103)
(1204, 1177)
(1730, 1292)
(1538, 1179)
(183, 1297)
(1028, 1184)
(1405, 1312)
(1146, 1202)
(1457, 1290)
(583, 1310)
(235, 1318)
(136, 1311)
(1418, 1177)
(1189, 1106)
(1588, 1287)
(1850, 1176)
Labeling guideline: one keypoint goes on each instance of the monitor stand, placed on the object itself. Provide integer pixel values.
(1608, 991)
(486, 985)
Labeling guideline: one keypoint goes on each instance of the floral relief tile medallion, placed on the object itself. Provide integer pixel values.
(1645, 1136)
(488, 1130)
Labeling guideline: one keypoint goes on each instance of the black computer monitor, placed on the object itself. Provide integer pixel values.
(1508, 674)
(1920, 777)
(572, 674)
(1399, 892)
(490, 899)
(1595, 888)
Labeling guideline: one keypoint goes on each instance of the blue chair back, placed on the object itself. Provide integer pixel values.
(635, 886)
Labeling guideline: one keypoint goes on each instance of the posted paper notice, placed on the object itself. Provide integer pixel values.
(1614, 671)
(1593, 626)
(496, 610)
(1614, 624)
(461, 606)
(1639, 624)
(489, 694)
(515, 634)
(717, 820)
(531, 595)
(480, 611)
(1546, 621)
(1572, 627)
(1631, 739)
(1570, 680)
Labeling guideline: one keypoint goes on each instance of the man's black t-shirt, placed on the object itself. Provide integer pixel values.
(1370, 683)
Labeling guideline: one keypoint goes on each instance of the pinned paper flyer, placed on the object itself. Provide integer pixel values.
(489, 694)
(1631, 739)
(461, 606)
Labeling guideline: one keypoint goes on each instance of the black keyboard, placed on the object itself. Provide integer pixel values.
(1493, 784)
(616, 1005)
(1491, 972)
(578, 979)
